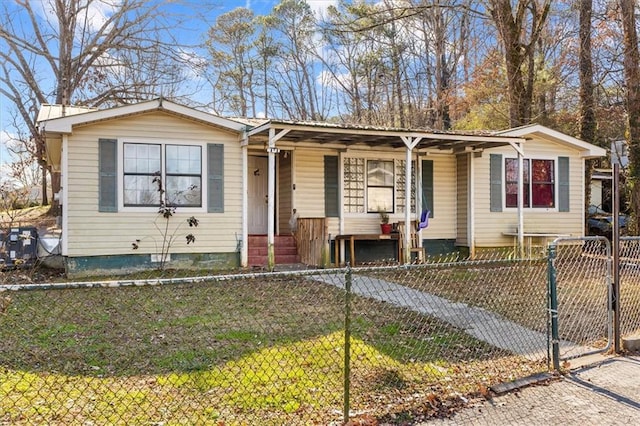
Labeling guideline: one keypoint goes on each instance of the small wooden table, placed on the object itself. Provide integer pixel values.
(352, 238)
(528, 238)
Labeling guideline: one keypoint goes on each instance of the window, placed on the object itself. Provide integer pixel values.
(538, 183)
(141, 166)
(380, 185)
(181, 175)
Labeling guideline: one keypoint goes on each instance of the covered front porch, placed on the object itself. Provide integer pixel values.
(320, 182)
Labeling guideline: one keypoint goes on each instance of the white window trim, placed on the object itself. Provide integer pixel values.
(530, 208)
(163, 143)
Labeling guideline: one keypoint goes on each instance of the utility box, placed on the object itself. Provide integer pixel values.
(18, 247)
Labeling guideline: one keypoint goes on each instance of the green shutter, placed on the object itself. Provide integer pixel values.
(563, 184)
(427, 186)
(215, 178)
(108, 179)
(495, 176)
(331, 196)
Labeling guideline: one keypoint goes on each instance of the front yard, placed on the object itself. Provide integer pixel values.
(266, 349)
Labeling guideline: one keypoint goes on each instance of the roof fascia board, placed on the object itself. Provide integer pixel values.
(586, 149)
(65, 124)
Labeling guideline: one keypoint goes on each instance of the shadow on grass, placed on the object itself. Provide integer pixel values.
(194, 327)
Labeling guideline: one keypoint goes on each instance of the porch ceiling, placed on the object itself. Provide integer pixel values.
(346, 136)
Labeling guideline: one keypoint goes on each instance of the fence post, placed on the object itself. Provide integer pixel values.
(347, 344)
(552, 293)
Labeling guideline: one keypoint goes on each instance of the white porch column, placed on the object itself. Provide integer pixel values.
(271, 205)
(244, 249)
(410, 143)
(520, 202)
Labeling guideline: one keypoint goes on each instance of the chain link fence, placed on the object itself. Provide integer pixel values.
(582, 290)
(629, 286)
(384, 344)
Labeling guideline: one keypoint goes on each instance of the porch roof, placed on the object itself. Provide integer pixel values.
(349, 135)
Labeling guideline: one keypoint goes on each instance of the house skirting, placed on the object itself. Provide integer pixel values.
(124, 264)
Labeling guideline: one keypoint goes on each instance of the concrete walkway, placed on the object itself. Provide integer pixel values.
(604, 393)
(477, 322)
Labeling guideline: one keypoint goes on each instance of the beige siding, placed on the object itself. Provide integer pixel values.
(443, 223)
(462, 199)
(309, 179)
(93, 233)
(285, 208)
(309, 169)
(490, 226)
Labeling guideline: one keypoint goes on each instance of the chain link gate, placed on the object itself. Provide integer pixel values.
(580, 302)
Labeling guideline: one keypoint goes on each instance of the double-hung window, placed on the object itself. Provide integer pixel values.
(151, 177)
(539, 183)
(380, 185)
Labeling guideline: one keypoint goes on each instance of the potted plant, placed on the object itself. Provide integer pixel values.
(385, 226)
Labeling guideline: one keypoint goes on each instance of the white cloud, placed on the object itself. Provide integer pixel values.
(96, 12)
(320, 7)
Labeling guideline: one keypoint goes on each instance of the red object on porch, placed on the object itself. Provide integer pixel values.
(386, 228)
(285, 248)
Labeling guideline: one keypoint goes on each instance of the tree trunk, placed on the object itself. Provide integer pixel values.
(518, 51)
(587, 104)
(632, 79)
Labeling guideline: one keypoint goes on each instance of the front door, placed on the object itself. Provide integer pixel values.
(258, 192)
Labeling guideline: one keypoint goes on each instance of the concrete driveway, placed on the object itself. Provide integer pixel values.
(606, 392)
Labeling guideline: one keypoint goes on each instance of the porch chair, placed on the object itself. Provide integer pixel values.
(414, 247)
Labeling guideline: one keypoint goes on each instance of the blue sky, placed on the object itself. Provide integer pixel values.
(260, 7)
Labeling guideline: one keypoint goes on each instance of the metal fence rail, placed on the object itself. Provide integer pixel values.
(306, 347)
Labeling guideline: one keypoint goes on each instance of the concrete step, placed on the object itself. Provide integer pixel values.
(285, 250)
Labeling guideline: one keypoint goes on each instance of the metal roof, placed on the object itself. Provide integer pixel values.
(343, 135)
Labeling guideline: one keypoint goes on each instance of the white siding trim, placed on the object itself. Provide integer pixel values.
(64, 187)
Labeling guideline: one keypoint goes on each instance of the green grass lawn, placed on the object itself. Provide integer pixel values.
(239, 351)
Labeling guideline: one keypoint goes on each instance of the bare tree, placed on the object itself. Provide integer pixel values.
(294, 90)
(233, 46)
(519, 28)
(632, 79)
(88, 52)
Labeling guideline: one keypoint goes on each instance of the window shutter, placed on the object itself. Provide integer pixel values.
(108, 179)
(563, 184)
(495, 176)
(331, 196)
(427, 186)
(215, 178)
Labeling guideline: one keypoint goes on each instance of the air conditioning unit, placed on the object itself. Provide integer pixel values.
(18, 247)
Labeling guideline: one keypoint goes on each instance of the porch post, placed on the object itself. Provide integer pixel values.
(271, 206)
(410, 143)
(244, 249)
(520, 202)
(407, 207)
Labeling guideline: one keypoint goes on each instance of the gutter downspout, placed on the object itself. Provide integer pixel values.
(471, 210)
